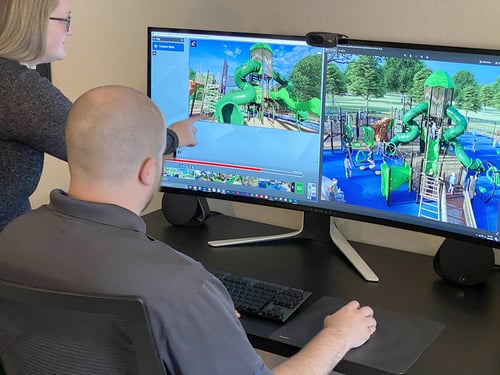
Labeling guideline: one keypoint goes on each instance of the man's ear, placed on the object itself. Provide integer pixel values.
(147, 172)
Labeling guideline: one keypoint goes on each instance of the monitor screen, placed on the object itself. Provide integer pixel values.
(391, 133)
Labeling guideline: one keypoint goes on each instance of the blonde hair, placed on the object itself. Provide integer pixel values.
(24, 27)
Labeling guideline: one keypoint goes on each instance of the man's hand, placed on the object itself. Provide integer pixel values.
(352, 322)
(348, 328)
(185, 130)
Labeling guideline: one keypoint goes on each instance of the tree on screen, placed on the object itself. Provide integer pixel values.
(462, 79)
(470, 99)
(486, 95)
(335, 82)
(417, 89)
(306, 78)
(365, 78)
(399, 73)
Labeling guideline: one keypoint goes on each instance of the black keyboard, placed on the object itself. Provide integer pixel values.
(262, 298)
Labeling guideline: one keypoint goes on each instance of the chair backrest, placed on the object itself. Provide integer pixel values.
(54, 332)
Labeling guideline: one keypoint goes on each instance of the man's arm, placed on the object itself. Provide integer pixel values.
(182, 133)
(172, 141)
(348, 328)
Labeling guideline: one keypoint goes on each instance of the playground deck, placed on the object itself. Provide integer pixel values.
(455, 204)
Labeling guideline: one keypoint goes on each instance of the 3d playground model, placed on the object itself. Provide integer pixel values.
(425, 155)
(441, 143)
(261, 96)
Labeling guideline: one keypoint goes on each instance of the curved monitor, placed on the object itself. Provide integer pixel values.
(392, 133)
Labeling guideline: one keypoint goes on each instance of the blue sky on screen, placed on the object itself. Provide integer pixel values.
(208, 55)
(483, 74)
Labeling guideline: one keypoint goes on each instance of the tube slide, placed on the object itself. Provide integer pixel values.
(460, 127)
(226, 109)
(452, 133)
(414, 131)
(467, 162)
(302, 109)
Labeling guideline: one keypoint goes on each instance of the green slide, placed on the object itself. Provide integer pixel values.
(393, 177)
(460, 127)
(408, 119)
(301, 109)
(451, 134)
(226, 109)
(466, 161)
(432, 155)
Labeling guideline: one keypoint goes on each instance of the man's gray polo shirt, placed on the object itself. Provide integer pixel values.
(82, 246)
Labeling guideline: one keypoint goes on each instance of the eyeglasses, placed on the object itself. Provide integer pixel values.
(66, 20)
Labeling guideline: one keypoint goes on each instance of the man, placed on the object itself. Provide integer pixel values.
(93, 239)
(452, 182)
(348, 166)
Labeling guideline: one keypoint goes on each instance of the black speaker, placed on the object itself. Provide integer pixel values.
(180, 209)
(464, 263)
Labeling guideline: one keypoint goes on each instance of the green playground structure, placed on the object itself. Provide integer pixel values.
(394, 177)
(450, 136)
(227, 108)
(301, 109)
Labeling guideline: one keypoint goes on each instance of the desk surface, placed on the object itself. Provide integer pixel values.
(469, 344)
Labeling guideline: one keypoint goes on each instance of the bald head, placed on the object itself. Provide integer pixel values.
(110, 132)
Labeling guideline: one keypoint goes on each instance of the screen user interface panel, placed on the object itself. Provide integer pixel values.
(261, 96)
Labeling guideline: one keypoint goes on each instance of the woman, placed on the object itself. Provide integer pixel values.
(32, 111)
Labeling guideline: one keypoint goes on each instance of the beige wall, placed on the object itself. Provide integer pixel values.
(109, 47)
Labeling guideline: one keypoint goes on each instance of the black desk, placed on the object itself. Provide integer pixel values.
(470, 343)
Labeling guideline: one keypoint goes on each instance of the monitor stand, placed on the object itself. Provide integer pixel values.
(315, 226)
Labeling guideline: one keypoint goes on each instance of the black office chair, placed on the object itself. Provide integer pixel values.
(53, 332)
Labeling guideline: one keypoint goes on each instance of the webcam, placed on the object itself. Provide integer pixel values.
(323, 39)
